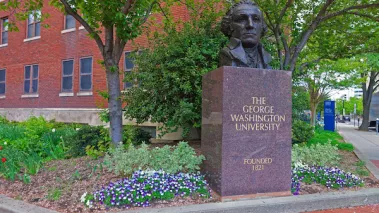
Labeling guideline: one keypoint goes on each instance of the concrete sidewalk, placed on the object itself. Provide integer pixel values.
(366, 145)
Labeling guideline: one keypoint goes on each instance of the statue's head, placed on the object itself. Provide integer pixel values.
(244, 21)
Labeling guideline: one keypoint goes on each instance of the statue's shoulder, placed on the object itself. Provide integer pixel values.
(266, 56)
(225, 57)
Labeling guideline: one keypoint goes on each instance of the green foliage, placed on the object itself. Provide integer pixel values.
(181, 158)
(97, 151)
(135, 135)
(300, 102)
(323, 137)
(93, 137)
(361, 168)
(3, 120)
(18, 163)
(318, 155)
(170, 73)
(349, 106)
(54, 194)
(301, 131)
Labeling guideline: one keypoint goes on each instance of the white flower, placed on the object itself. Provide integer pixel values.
(89, 204)
(5, 143)
(83, 198)
(53, 130)
(61, 137)
(77, 129)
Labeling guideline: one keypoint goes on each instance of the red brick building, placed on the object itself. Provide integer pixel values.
(54, 71)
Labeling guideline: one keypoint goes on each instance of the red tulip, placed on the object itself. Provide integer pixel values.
(3, 160)
(1, 148)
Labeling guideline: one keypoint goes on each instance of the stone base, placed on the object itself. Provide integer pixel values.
(254, 196)
(246, 131)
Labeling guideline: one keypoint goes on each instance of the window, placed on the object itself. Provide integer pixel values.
(2, 82)
(34, 25)
(128, 68)
(67, 75)
(69, 22)
(4, 31)
(31, 79)
(86, 74)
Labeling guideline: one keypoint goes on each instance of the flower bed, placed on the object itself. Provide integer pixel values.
(145, 187)
(331, 177)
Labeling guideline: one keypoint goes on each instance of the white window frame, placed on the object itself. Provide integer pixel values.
(80, 75)
(31, 80)
(72, 75)
(34, 23)
(5, 82)
(2, 30)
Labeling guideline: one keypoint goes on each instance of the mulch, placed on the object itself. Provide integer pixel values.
(70, 178)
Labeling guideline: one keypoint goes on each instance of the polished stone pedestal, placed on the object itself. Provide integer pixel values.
(246, 131)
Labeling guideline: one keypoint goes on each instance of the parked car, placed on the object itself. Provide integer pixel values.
(346, 118)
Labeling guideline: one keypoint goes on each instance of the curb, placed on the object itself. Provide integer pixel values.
(9, 205)
(293, 204)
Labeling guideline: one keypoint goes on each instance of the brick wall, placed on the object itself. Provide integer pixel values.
(48, 52)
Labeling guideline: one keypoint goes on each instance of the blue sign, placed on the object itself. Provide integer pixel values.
(329, 115)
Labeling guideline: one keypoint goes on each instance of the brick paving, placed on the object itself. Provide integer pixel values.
(358, 209)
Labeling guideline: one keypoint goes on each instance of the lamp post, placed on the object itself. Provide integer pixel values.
(343, 105)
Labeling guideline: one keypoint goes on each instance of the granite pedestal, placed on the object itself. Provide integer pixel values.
(246, 131)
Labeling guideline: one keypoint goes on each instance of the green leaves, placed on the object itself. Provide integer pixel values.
(169, 75)
(180, 158)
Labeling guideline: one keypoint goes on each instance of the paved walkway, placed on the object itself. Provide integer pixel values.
(366, 145)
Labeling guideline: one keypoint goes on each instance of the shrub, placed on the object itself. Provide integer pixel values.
(18, 163)
(134, 135)
(323, 137)
(180, 158)
(92, 136)
(319, 154)
(329, 177)
(145, 187)
(301, 131)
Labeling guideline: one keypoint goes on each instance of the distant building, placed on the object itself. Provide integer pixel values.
(358, 92)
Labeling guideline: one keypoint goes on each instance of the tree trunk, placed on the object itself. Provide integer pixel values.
(114, 102)
(313, 113)
(368, 91)
(365, 120)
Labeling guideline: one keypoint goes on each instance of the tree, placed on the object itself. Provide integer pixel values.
(111, 23)
(320, 79)
(293, 22)
(169, 74)
(370, 84)
(300, 101)
(348, 105)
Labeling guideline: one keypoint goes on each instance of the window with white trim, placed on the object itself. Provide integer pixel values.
(34, 24)
(86, 74)
(67, 75)
(4, 31)
(69, 22)
(31, 79)
(2, 81)
(128, 67)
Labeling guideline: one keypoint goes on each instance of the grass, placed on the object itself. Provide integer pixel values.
(322, 137)
(54, 194)
(361, 169)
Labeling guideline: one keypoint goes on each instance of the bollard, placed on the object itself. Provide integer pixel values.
(377, 125)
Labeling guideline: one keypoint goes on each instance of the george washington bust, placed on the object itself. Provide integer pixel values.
(244, 25)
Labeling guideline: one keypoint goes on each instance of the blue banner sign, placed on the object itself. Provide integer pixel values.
(329, 115)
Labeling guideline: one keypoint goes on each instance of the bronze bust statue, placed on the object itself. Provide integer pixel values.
(244, 25)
